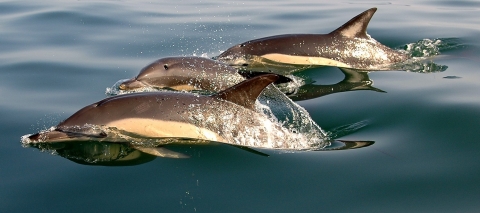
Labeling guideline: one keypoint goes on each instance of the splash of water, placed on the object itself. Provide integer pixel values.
(292, 86)
(115, 89)
(422, 53)
(431, 47)
(347, 129)
(424, 48)
(259, 129)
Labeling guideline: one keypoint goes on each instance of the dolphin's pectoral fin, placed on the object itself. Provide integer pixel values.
(250, 74)
(161, 152)
(357, 26)
(246, 92)
(248, 149)
(344, 145)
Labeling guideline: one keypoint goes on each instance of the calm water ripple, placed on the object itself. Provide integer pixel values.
(57, 57)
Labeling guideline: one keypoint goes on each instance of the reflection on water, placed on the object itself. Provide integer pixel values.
(353, 80)
(97, 153)
(125, 154)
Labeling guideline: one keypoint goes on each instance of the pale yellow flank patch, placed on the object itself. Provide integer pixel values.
(161, 128)
(161, 152)
(303, 60)
(184, 87)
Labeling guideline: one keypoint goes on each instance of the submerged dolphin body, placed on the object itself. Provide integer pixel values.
(349, 46)
(227, 116)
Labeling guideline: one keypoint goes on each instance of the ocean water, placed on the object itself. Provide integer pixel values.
(58, 56)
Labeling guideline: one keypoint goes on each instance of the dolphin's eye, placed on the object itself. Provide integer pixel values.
(165, 67)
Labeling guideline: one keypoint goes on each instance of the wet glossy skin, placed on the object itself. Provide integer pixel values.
(349, 46)
(164, 114)
(185, 73)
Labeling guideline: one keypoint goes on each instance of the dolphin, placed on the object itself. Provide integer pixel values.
(189, 73)
(348, 46)
(203, 74)
(228, 116)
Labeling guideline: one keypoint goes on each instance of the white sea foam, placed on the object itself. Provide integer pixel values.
(422, 54)
(115, 90)
(255, 129)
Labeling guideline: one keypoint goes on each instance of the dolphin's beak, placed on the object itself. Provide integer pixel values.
(131, 84)
(57, 135)
(48, 136)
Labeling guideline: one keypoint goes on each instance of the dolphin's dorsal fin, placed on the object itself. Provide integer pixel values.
(246, 92)
(357, 26)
